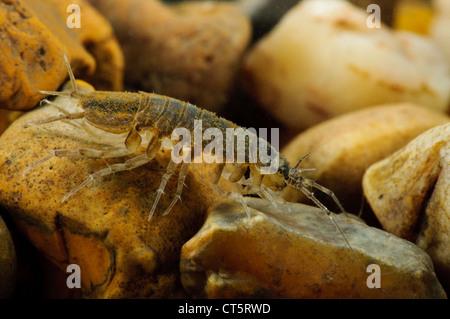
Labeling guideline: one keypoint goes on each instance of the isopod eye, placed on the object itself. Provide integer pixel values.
(285, 171)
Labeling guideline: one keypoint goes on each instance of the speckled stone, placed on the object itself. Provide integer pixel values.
(94, 52)
(34, 37)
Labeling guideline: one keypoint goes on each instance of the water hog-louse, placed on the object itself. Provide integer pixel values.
(137, 113)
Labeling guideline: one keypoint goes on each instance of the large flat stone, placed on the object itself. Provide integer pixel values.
(299, 253)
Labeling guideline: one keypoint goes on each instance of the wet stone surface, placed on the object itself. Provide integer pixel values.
(277, 253)
(409, 193)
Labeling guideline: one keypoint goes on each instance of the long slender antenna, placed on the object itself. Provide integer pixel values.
(71, 76)
(73, 83)
(306, 155)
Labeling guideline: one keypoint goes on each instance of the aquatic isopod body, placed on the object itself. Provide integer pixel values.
(137, 113)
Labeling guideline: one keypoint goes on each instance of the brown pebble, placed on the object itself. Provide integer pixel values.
(34, 39)
(409, 193)
(190, 51)
(277, 253)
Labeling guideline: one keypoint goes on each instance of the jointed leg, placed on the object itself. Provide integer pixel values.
(254, 186)
(330, 215)
(181, 177)
(236, 175)
(267, 194)
(128, 165)
(169, 171)
(63, 111)
(80, 152)
(216, 174)
(324, 190)
(238, 195)
(238, 172)
(55, 118)
(132, 142)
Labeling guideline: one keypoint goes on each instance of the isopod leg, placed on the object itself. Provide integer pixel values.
(216, 174)
(330, 215)
(63, 111)
(133, 140)
(254, 186)
(181, 177)
(55, 118)
(239, 197)
(169, 171)
(128, 165)
(80, 152)
(326, 191)
(235, 176)
(108, 153)
(238, 172)
(236, 195)
(263, 193)
(255, 175)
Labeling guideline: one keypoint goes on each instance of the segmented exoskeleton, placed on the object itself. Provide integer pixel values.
(136, 113)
